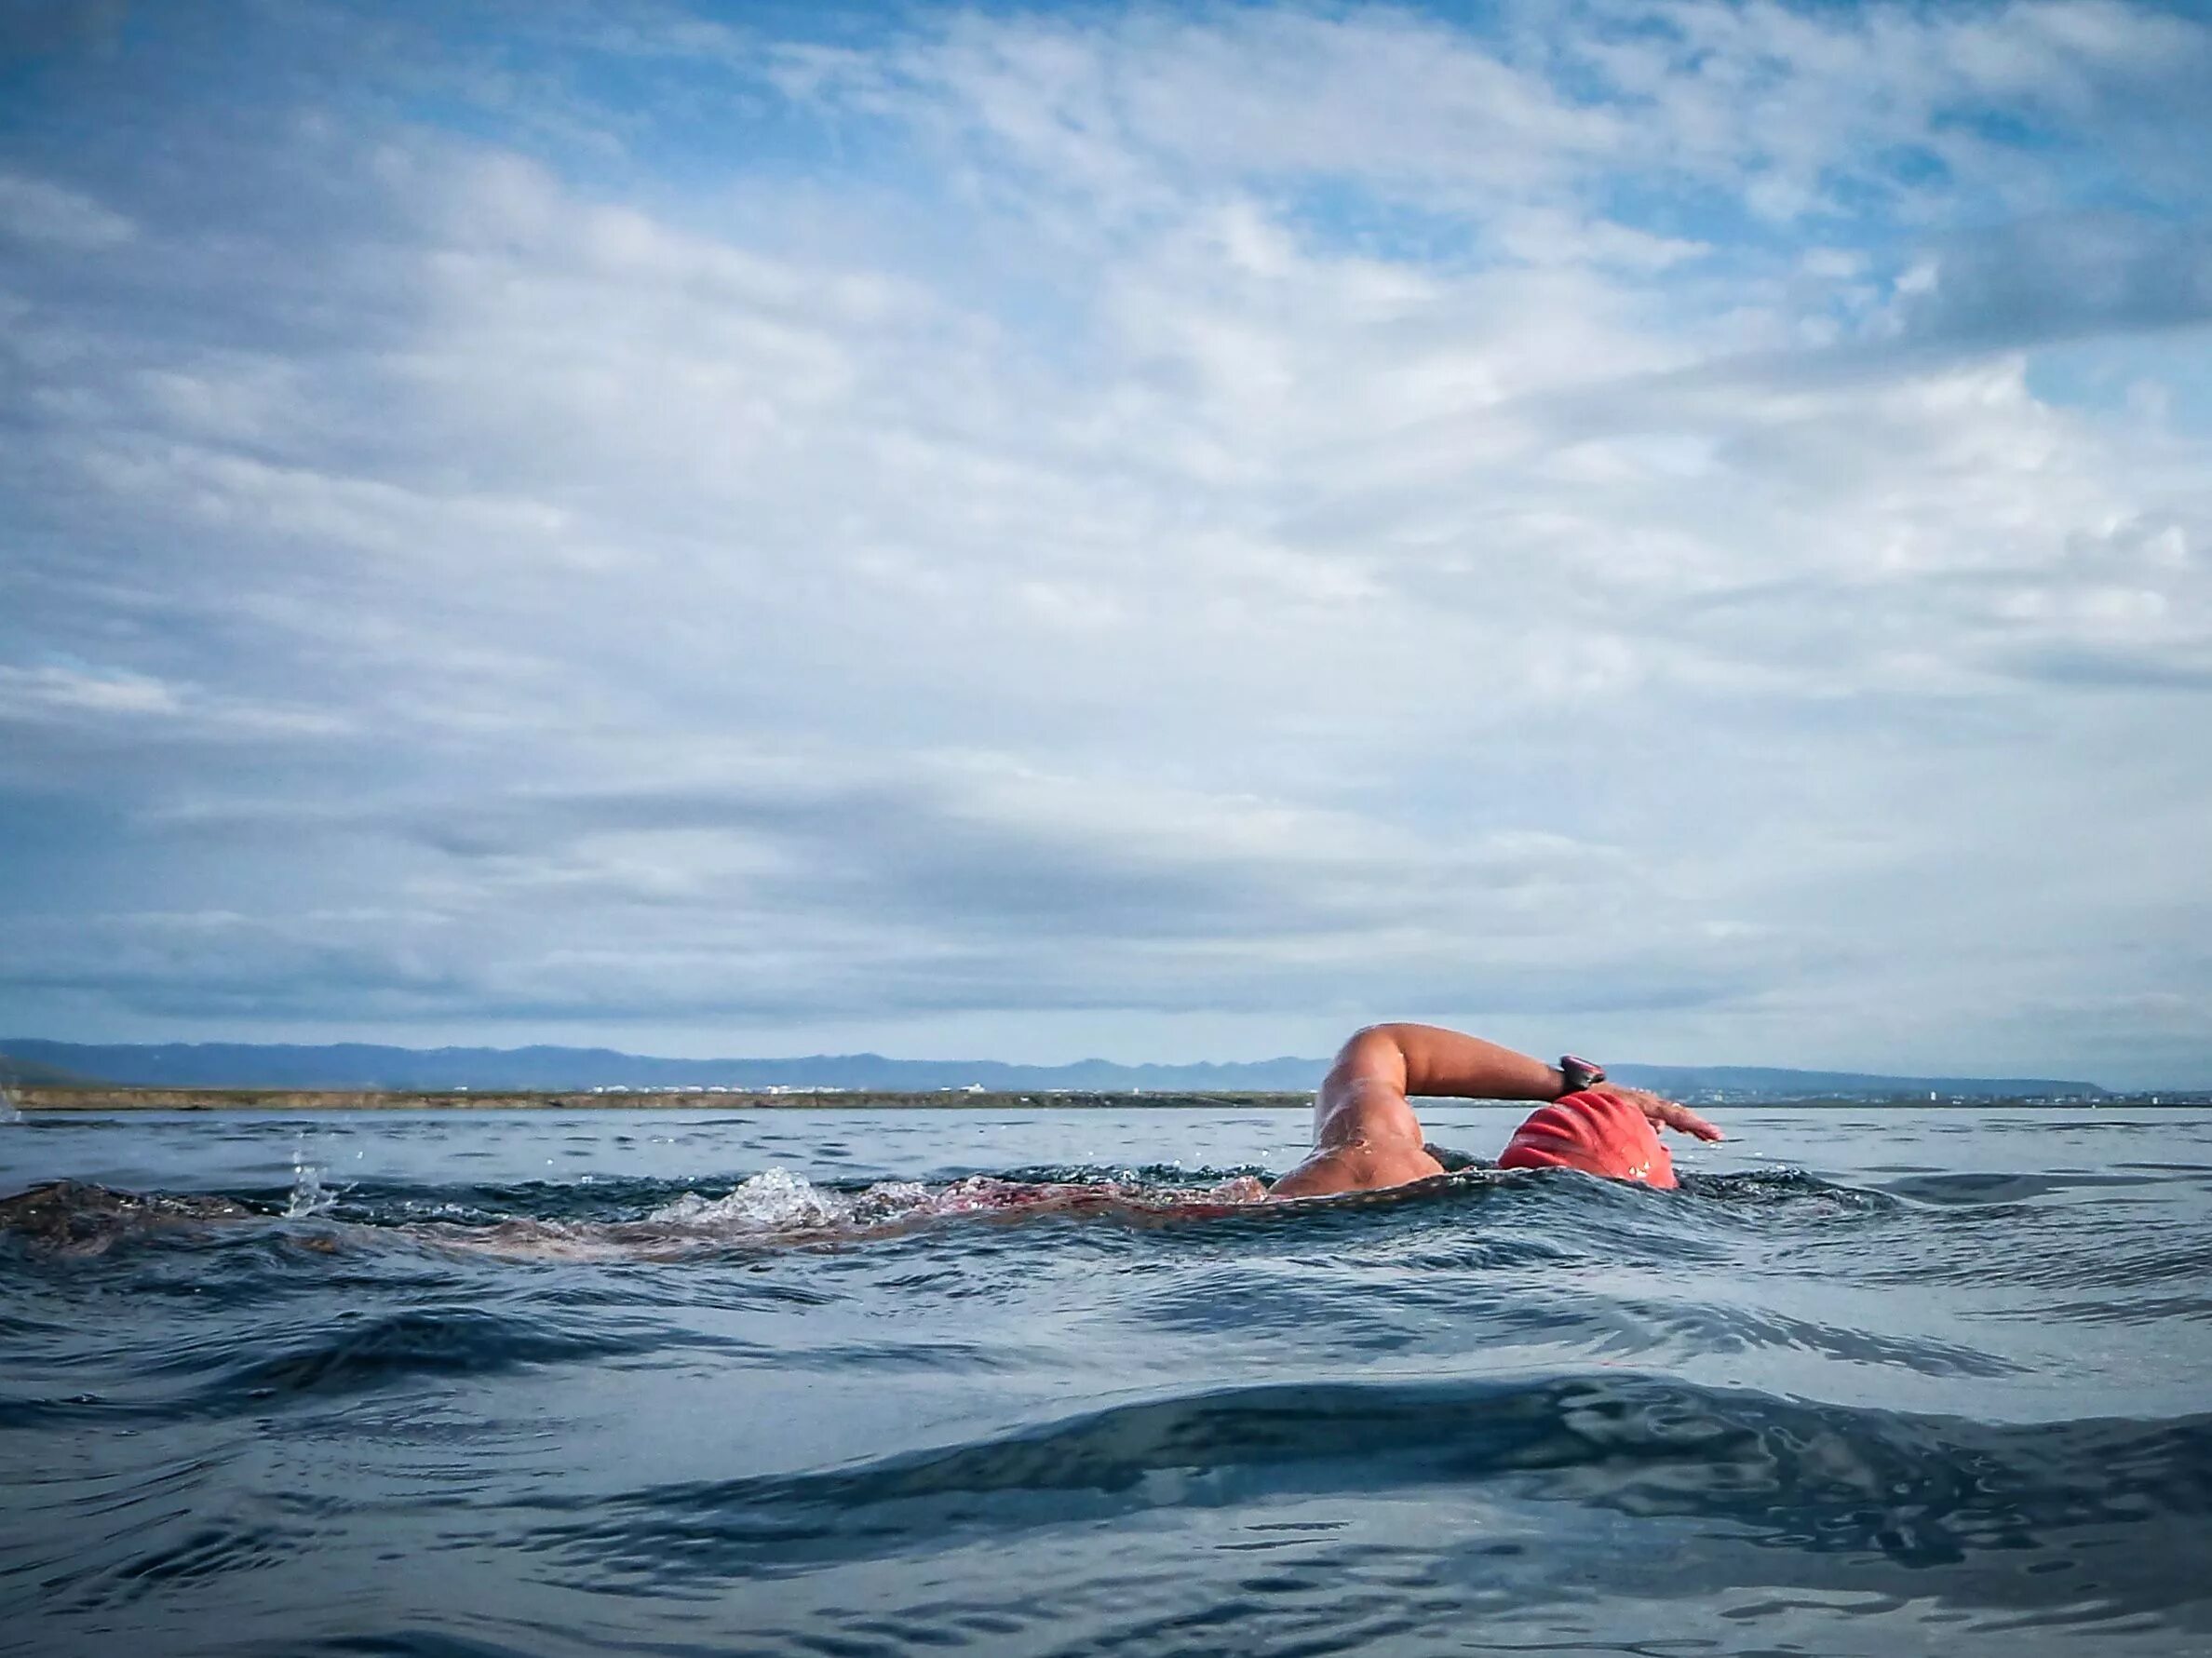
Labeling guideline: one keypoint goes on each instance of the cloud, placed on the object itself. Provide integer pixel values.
(932, 885)
(2054, 279)
(35, 210)
(1076, 523)
(31, 691)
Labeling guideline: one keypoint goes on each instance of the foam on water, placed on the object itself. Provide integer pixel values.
(778, 1201)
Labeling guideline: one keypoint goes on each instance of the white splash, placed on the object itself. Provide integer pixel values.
(308, 1196)
(778, 1203)
(774, 1200)
(11, 1112)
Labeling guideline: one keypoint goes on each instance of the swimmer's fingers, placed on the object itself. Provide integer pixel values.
(1666, 1113)
(1682, 1119)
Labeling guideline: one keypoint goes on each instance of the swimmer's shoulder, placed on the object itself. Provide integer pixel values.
(1358, 1167)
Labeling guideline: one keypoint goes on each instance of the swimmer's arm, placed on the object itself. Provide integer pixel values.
(1439, 1061)
(1428, 1061)
(1365, 1134)
(1366, 1093)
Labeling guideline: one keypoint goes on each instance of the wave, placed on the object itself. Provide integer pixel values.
(1973, 1189)
(78, 1216)
(640, 1218)
(354, 1356)
(1860, 1485)
(616, 1218)
(1938, 1232)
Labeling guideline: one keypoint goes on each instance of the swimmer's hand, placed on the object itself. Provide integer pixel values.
(1662, 1113)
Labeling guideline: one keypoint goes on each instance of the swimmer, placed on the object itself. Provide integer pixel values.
(1366, 1136)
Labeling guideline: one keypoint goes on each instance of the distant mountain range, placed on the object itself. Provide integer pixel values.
(358, 1065)
(30, 1073)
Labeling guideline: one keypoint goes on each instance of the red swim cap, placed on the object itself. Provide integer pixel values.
(1599, 1134)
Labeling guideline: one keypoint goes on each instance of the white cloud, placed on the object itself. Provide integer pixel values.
(84, 697)
(37, 210)
(25, 691)
(1258, 516)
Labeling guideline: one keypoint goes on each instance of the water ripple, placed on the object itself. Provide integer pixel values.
(1915, 1490)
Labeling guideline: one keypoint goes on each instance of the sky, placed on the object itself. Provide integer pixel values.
(1671, 529)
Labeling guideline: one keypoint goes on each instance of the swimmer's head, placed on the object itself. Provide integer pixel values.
(1598, 1133)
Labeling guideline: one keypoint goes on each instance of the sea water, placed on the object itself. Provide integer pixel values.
(848, 1383)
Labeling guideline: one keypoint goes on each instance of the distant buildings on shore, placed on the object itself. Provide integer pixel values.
(783, 1088)
(713, 1088)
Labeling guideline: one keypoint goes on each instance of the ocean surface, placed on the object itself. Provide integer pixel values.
(853, 1383)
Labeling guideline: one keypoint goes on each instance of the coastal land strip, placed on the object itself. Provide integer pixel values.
(110, 1099)
(360, 1099)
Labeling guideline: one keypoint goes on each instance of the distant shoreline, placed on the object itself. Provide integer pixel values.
(468, 1099)
(37, 1098)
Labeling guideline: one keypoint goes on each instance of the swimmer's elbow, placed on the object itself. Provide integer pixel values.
(1370, 1042)
(1372, 1055)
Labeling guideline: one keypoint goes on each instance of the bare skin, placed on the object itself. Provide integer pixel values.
(1366, 1136)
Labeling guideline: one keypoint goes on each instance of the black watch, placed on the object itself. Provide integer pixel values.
(1580, 1074)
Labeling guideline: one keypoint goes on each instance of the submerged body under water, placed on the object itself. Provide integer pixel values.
(847, 1383)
